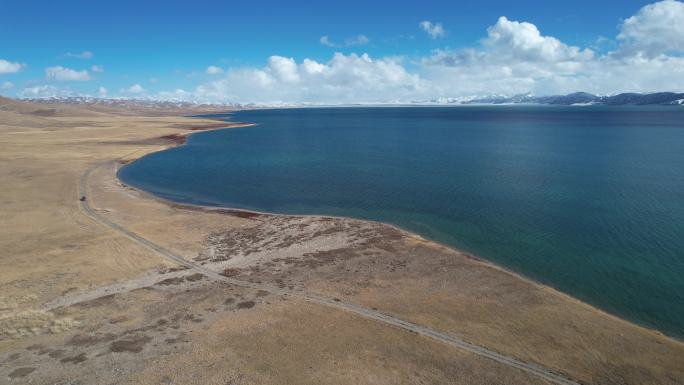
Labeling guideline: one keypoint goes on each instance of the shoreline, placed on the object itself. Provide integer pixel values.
(247, 213)
(114, 288)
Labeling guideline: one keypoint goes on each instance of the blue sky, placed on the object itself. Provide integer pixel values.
(163, 49)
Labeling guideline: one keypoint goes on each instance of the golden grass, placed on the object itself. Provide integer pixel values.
(50, 250)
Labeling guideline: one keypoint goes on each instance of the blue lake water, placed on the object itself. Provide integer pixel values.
(589, 200)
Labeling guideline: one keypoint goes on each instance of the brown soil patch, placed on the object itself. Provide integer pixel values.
(246, 305)
(171, 281)
(195, 277)
(174, 138)
(129, 345)
(328, 257)
(230, 272)
(21, 372)
(45, 112)
(244, 214)
(75, 359)
(57, 353)
(89, 340)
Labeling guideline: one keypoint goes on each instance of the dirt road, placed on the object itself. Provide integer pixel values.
(454, 341)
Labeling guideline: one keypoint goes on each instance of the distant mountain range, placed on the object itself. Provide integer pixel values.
(577, 98)
(127, 103)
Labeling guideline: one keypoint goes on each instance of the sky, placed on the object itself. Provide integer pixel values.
(338, 52)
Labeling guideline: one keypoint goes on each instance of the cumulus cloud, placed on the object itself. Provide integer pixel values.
(523, 41)
(435, 30)
(102, 92)
(8, 67)
(6, 85)
(656, 29)
(283, 69)
(214, 70)
(134, 89)
(344, 78)
(60, 73)
(81, 55)
(515, 57)
(348, 42)
(97, 68)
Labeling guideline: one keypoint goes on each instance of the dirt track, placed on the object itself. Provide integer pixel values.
(321, 300)
(82, 302)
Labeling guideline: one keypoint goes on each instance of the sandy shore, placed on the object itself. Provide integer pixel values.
(81, 302)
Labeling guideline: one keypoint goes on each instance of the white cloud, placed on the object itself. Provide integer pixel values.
(214, 70)
(46, 91)
(356, 40)
(521, 40)
(283, 69)
(513, 57)
(348, 42)
(81, 55)
(38, 91)
(311, 67)
(6, 85)
(344, 78)
(656, 29)
(60, 73)
(134, 89)
(8, 67)
(97, 68)
(178, 95)
(325, 40)
(435, 30)
(516, 58)
(102, 92)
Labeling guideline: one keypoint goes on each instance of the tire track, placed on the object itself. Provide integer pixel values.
(530, 368)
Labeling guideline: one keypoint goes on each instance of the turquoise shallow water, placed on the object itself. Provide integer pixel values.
(589, 200)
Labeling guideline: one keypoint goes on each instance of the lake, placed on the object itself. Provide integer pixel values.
(589, 200)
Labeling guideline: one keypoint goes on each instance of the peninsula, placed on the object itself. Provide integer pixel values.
(102, 283)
